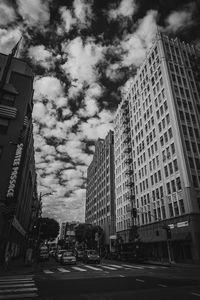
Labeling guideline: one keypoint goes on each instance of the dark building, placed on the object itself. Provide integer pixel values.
(18, 191)
(100, 195)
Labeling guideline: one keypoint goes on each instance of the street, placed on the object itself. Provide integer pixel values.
(106, 281)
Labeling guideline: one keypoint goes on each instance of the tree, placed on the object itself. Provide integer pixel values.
(87, 233)
(48, 228)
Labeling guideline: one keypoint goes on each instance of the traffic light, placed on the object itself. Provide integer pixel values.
(169, 234)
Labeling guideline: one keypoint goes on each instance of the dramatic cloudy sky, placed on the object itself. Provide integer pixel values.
(83, 53)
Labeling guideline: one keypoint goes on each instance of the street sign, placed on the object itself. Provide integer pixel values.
(183, 224)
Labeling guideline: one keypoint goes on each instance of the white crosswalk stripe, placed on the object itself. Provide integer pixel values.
(46, 271)
(17, 287)
(93, 268)
(133, 267)
(79, 269)
(109, 268)
(63, 270)
(115, 266)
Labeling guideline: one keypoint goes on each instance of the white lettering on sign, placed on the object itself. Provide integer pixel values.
(171, 226)
(15, 168)
(183, 224)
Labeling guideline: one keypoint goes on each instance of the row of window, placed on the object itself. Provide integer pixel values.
(173, 186)
(166, 137)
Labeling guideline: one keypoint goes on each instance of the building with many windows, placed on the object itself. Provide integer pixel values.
(18, 190)
(163, 108)
(100, 193)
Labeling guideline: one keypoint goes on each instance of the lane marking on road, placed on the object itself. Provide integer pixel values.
(133, 267)
(140, 280)
(196, 294)
(109, 268)
(122, 276)
(115, 266)
(19, 296)
(17, 277)
(19, 290)
(63, 270)
(79, 269)
(46, 271)
(162, 285)
(92, 268)
(10, 285)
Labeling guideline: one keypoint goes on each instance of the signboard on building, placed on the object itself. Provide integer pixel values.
(14, 173)
(183, 224)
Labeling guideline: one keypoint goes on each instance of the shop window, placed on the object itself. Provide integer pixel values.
(3, 126)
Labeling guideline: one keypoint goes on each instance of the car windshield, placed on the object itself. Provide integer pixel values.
(68, 254)
(92, 252)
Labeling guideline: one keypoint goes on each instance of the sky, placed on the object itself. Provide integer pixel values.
(84, 53)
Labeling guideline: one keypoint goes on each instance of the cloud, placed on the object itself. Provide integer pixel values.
(126, 8)
(68, 20)
(136, 44)
(178, 20)
(49, 87)
(82, 60)
(83, 12)
(34, 13)
(7, 13)
(8, 39)
(41, 56)
(97, 127)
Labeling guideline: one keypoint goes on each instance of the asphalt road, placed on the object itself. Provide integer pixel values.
(108, 281)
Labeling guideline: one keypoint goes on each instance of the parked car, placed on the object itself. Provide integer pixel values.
(58, 255)
(91, 256)
(79, 254)
(68, 257)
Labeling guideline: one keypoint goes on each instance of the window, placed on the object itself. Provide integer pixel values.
(168, 188)
(170, 133)
(173, 148)
(170, 168)
(8, 99)
(1, 151)
(171, 213)
(178, 183)
(182, 207)
(195, 181)
(163, 212)
(3, 126)
(176, 209)
(173, 186)
(175, 165)
(166, 171)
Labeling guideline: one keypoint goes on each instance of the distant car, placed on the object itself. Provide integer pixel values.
(67, 258)
(91, 256)
(58, 255)
(79, 254)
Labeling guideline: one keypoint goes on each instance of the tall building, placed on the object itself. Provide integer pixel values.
(18, 189)
(100, 194)
(163, 108)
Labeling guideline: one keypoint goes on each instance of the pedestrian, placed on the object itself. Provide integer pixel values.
(7, 259)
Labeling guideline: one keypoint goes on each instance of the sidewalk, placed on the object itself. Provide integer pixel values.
(19, 267)
(172, 264)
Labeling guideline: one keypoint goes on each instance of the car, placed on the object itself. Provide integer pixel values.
(58, 255)
(79, 254)
(91, 256)
(68, 258)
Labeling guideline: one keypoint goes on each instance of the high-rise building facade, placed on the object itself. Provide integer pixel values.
(100, 193)
(18, 190)
(163, 107)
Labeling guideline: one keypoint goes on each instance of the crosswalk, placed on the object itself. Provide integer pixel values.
(17, 287)
(99, 267)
